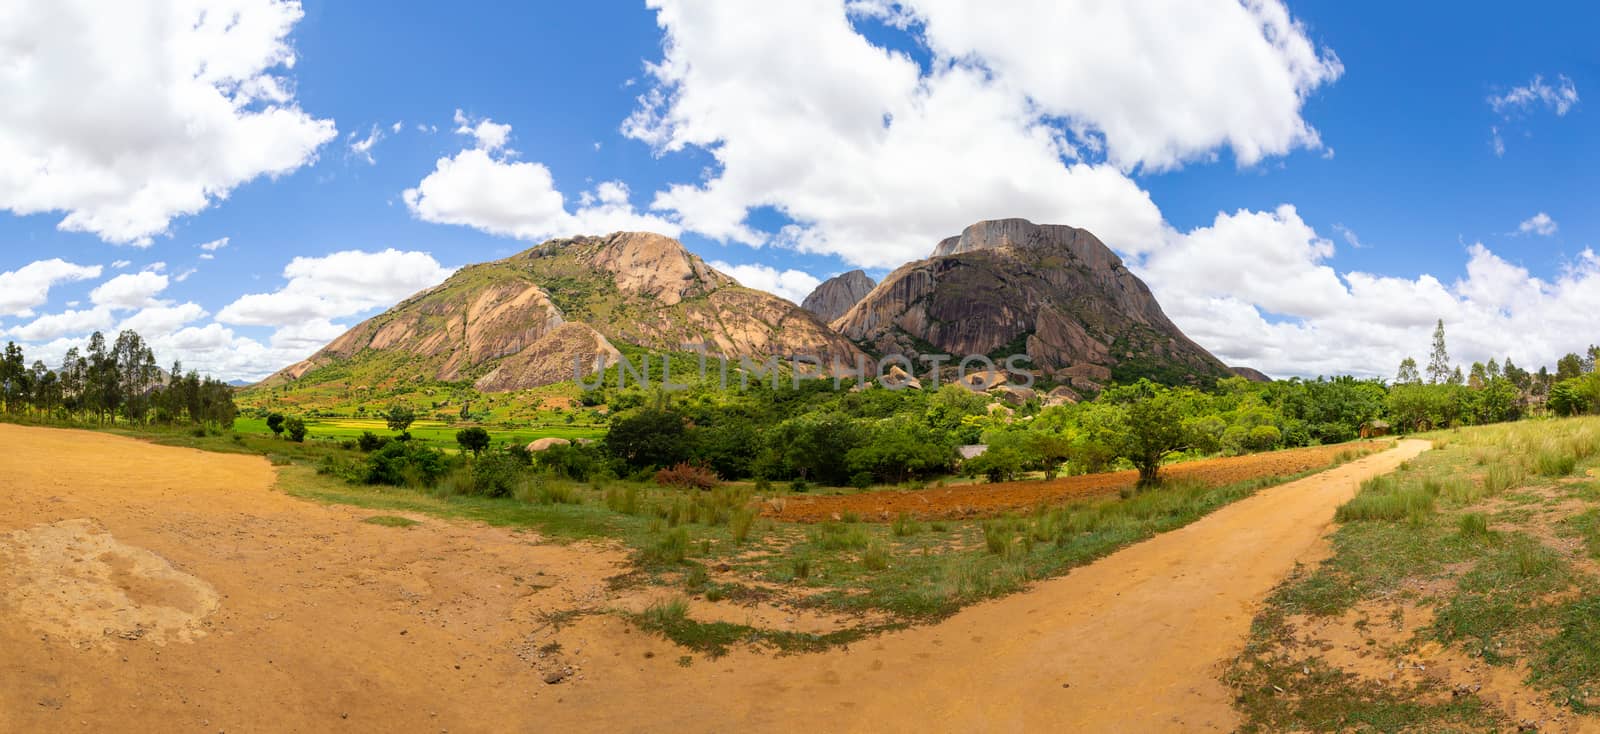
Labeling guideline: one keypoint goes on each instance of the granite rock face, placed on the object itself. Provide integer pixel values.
(1052, 292)
(524, 321)
(837, 294)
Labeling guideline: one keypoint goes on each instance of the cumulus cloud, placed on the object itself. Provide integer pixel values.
(51, 326)
(1256, 288)
(129, 291)
(159, 320)
(29, 286)
(486, 133)
(792, 285)
(173, 104)
(1540, 224)
(851, 140)
(484, 188)
(337, 285)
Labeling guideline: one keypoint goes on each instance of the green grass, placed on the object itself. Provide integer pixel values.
(391, 521)
(434, 432)
(1454, 522)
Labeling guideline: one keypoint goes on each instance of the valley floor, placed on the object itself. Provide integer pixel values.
(151, 588)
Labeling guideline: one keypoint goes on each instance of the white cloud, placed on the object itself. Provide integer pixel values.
(793, 285)
(340, 284)
(183, 276)
(120, 264)
(363, 148)
(172, 105)
(155, 321)
(852, 141)
(1157, 103)
(1349, 236)
(1540, 224)
(479, 189)
(1257, 289)
(51, 326)
(488, 134)
(130, 290)
(29, 285)
(396, 127)
(1558, 99)
(1528, 98)
(215, 244)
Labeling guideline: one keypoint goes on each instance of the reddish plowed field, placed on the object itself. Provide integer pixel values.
(972, 500)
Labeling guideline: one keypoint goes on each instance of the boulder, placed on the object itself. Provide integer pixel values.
(540, 444)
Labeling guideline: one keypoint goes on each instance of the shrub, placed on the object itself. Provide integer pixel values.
(861, 480)
(369, 442)
(296, 429)
(496, 475)
(401, 462)
(684, 475)
(570, 461)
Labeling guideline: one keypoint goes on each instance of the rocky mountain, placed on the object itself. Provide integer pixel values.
(1011, 286)
(522, 321)
(837, 294)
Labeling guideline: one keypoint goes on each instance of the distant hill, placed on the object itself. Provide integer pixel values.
(522, 321)
(1053, 292)
(837, 294)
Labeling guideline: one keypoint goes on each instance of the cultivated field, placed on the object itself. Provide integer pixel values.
(985, 500)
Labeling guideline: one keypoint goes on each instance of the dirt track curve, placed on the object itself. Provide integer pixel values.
(222, 605)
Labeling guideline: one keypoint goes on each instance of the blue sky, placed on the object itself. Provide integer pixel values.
(1235, 169)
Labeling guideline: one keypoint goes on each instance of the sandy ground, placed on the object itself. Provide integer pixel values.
(222, 605)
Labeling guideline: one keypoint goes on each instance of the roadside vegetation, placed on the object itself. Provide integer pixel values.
(1461, 595)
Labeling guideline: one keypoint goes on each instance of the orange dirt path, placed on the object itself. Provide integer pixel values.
(324, 623)
(974, 500)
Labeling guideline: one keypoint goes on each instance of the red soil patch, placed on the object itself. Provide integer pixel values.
(972, 500)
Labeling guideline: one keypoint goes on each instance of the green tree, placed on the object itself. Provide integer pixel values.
(1151, 426)
(400, 417)
(649, 437)
(296, 429)
(1408, 372)
(474, 439)
(1569, 367)
(1439, 359)
(275, 424)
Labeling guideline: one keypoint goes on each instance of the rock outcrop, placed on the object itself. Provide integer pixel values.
(526, 320)
(837, 294)
(1053, 292)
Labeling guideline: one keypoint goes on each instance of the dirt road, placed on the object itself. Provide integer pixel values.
(223, 605)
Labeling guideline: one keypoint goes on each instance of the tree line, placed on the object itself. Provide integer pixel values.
(109, 382)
